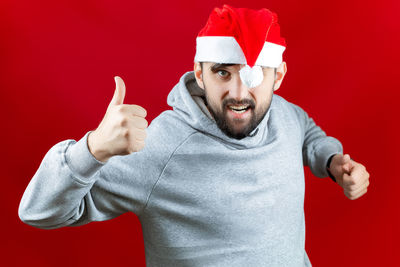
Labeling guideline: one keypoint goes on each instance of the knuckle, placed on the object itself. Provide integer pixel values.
(123, 122)
(126, 133)
(120, 108)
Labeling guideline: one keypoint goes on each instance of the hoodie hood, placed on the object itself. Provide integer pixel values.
(187, 100)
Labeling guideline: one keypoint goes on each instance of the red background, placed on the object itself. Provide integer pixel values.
(57, 63)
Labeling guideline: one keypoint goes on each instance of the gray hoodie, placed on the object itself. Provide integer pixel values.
(203, 198)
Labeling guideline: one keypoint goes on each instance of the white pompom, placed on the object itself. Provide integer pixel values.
(251, 77)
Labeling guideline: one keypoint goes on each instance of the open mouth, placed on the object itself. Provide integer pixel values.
(239, 109)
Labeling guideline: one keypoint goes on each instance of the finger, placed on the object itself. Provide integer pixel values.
(136, 146)
(348, 180)
(133, 110)
(140, 134)
(346, 163)
(139, 145)
(355, 196)
(119, 93)
(357, 187)
(139, 122)
(360, 193)
(345, 158)
(360, 173)
(138, 110)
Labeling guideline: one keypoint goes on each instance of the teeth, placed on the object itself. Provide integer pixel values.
(238, 107)
(241, 111)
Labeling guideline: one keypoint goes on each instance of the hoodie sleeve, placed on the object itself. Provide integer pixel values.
(71, 187)
(317, 146)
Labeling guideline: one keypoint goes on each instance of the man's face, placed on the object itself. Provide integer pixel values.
(236, 108)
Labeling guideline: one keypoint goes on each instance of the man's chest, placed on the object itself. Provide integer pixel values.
(225, 194)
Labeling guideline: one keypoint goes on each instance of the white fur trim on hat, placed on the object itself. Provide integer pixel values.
(220, 49)
(270, 55)
(225, 49)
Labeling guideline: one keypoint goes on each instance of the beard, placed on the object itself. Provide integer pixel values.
(221, 117)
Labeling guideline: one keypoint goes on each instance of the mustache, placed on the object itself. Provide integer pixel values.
(231, 101)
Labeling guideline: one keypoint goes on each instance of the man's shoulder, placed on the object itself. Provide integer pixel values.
(283, 102)
(292, 107)
(286, 107)
(169, 129)
(171, 123)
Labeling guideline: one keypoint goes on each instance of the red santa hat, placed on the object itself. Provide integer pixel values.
(242, 36)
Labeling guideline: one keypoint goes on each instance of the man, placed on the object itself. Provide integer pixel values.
(218, 180)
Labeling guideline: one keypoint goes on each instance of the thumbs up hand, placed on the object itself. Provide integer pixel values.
(122, 130)
(350, 175)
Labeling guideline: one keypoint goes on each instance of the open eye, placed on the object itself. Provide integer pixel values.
(223, 73)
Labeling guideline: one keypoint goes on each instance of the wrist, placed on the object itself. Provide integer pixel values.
(96, 152)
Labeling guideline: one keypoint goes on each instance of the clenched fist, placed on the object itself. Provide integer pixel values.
(122, 130)
(350, 175)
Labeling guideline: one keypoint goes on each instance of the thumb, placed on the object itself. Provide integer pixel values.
(345, 178)
(346, 163)
(119, 93)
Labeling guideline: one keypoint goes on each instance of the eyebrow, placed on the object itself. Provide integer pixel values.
(214, 68)
(217, 66)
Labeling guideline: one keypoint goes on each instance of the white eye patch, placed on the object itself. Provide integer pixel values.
(251, 77)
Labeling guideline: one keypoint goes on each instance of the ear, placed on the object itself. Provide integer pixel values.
(280, 73)
(198, 74)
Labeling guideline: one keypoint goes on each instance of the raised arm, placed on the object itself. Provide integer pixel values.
(72, 186)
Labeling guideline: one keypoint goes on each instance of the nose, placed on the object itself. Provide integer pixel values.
(238, 90)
